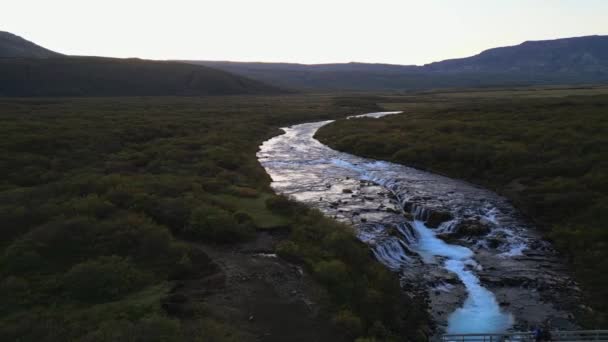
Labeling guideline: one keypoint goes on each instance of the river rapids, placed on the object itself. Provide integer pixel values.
(482, 268)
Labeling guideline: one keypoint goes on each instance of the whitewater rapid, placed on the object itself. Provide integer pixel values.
(390, 204)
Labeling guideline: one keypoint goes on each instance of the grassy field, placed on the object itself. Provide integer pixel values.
(545, 149)
(104, 201)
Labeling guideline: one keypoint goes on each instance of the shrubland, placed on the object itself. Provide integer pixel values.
(104, 201)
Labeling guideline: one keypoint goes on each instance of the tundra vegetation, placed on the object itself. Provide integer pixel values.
(104, 202)
(544, 149)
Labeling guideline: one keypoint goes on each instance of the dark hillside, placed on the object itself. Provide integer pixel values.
(94, 76)
(12, 46)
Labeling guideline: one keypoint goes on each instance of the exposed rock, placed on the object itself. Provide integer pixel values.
(447, 237)
(392, 231)
(495, 242)
(470, 228)
(407, 206)
(435, 218)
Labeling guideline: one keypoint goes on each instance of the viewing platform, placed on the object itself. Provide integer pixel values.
(580, 335)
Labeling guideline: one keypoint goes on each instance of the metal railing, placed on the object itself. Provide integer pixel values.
(581, 335)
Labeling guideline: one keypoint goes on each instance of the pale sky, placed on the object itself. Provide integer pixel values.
(303, 31)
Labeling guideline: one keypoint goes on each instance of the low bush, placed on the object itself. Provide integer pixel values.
(210, 223)
(103, 279)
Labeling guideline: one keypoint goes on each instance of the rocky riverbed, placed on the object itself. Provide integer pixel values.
(482, 268)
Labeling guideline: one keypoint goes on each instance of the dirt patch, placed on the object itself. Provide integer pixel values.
(259, 294)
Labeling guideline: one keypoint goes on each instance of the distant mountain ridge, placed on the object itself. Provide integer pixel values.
(13, 46)
(578, 60)
(311, 77)
(580, 54)
(27, 69)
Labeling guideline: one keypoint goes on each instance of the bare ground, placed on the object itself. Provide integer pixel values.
(262, 296)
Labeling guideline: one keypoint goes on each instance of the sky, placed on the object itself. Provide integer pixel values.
(302, 31)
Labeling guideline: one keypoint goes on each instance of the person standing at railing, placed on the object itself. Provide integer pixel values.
(538, 333)
(546, 332)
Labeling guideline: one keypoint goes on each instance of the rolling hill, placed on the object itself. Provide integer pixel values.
(346, 76)
(12, 46)
(95, 76)
(27, 69)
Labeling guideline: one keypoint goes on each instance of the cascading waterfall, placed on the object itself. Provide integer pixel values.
(389, 205)
(481, 312)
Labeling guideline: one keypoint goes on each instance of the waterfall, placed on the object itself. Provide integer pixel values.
(392, 208)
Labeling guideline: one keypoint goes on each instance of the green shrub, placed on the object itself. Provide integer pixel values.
(103, 279)
(153, 328)
(288, 250)
(280, 205)
(92, 205)
(332, 272)
(21, 257)
(244, 192)
(215, 224)
(348, 323)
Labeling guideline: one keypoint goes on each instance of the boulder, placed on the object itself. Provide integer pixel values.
(495, 242)
(435, 218)
(470, 228)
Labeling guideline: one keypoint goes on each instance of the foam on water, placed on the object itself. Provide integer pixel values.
(480, 312)
(430, 246)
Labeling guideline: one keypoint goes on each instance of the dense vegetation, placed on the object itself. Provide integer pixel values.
(103, 203)
(547, 153)
(94, 76)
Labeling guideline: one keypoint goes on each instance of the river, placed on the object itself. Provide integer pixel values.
(481, 266)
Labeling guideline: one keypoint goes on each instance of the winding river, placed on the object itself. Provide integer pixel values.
(466, 249)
